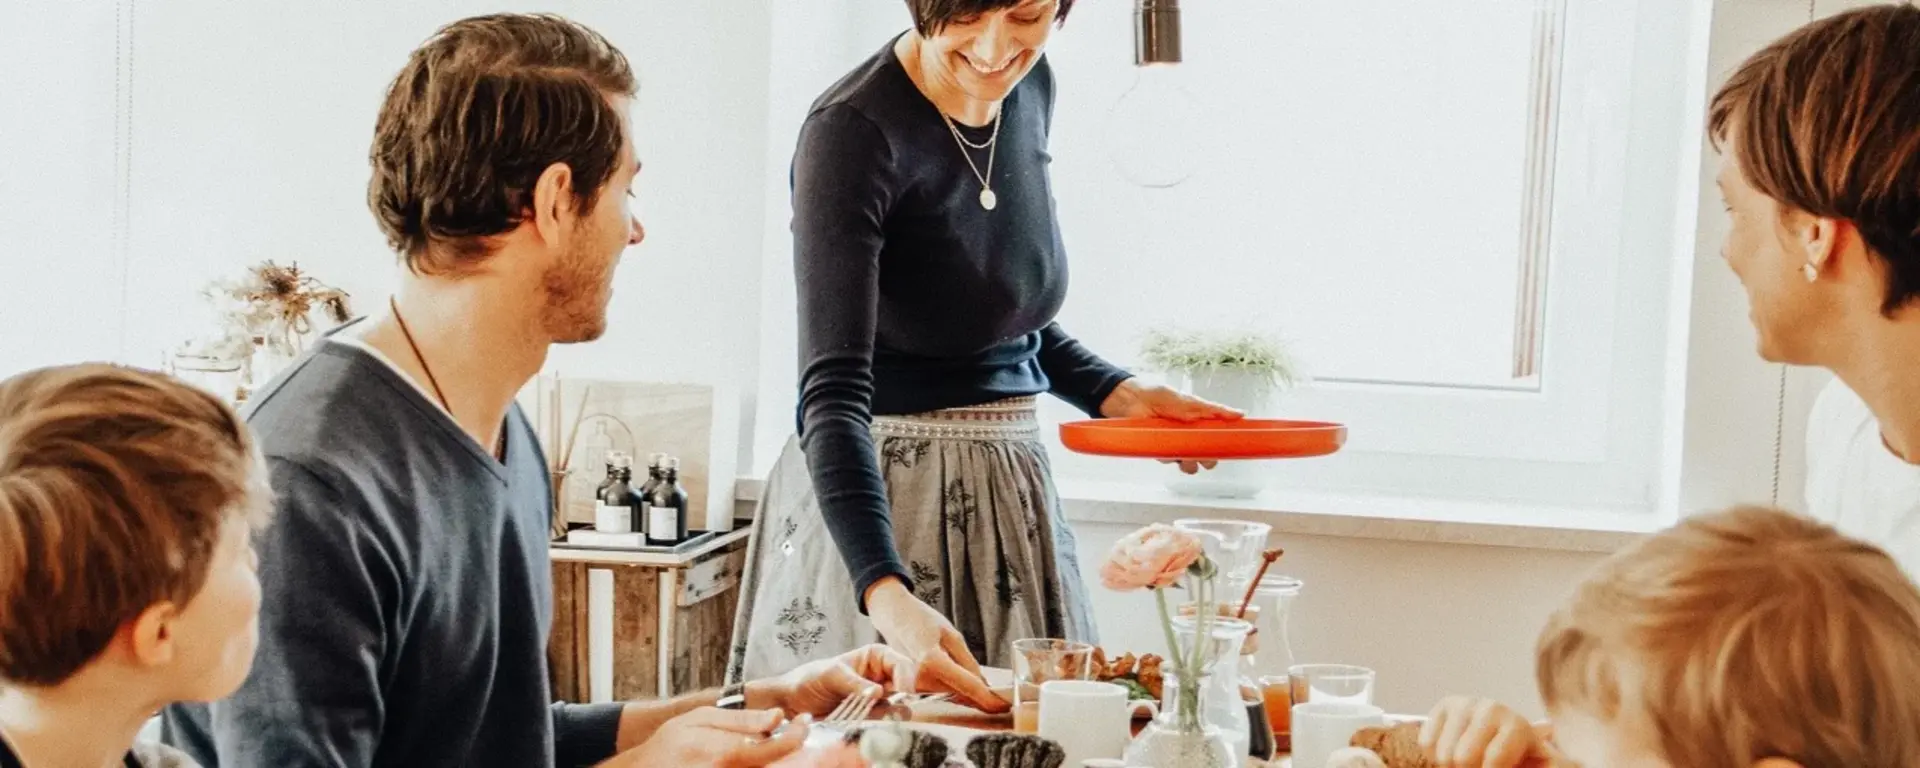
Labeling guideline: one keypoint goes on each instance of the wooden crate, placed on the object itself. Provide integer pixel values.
(699, 591)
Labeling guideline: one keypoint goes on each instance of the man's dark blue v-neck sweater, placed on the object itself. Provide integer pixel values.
(407, 590)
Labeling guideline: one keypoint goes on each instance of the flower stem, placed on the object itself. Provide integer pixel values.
(1166, 625)
(1203, 626)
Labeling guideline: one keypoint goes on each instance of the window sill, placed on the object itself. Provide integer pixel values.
(1357, 516)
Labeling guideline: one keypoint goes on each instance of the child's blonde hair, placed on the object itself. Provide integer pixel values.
(1744, 635)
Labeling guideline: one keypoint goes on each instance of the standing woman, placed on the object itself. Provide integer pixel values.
(929, 269)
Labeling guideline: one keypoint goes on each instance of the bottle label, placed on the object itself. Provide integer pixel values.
(612, 519)
(664, 523)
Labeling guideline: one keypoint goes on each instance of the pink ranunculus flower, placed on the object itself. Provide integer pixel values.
(1150, 558)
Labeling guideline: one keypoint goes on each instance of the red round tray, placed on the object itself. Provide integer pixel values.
(1203, 440)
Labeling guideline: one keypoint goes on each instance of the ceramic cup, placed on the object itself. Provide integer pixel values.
(1322, 727)
(1090, 720)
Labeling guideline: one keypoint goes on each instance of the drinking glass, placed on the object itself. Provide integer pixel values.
(1040, 661)
(1337, 683)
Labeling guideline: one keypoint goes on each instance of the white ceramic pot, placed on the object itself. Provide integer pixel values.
(1252, 394)
(1249, 392)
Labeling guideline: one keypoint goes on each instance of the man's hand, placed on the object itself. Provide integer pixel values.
(1464, 732)
(718, 738)
(819, 687)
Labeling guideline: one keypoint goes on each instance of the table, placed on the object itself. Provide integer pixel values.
(955, 715)
(672, 617)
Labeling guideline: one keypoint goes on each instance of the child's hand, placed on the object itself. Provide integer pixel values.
(1464, 732)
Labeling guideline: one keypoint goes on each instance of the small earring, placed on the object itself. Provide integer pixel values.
(1811, 272)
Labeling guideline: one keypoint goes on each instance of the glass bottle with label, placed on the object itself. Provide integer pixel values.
(618, 508)
(667, 507)
(655, 465)
(606, 480)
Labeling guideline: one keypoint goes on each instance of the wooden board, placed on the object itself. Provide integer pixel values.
(567, 648)
(636, 633)
(703, 637)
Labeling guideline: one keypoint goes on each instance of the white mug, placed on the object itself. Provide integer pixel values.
(1322, 727)
(1089, 720)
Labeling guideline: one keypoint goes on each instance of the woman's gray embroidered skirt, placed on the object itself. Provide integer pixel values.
(976, 520)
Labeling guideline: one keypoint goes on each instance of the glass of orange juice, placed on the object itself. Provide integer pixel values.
(1039, 661)
(1277, 691)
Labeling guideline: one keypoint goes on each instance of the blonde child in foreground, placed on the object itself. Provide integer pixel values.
(127, 500)
(1751, 637)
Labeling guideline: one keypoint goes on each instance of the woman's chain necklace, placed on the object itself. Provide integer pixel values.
(987, 198)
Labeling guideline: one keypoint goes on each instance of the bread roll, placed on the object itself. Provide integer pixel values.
(1397, 745)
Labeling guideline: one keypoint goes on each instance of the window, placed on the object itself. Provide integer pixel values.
(1432, 201)
(1448, 207)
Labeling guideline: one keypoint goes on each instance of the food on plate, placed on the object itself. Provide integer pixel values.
(1141, 675)
(924, 750)
(1355, 757)
(1013, 750)
(1150, 676)
(1397, 745)
(1136, 691)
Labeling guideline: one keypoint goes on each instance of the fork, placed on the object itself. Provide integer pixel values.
(854, 709)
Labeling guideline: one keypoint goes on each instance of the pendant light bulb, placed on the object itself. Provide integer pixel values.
(1155, 127)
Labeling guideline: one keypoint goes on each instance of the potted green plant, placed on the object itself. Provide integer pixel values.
(1243, 369)
(1237, 368)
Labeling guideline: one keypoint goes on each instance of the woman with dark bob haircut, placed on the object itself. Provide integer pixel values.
(929, 270)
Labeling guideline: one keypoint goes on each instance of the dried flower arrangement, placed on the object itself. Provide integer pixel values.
(270, 306)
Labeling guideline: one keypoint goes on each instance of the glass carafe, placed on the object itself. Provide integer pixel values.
(1268, 653)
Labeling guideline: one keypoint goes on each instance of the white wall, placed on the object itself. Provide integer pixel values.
(61, 149)
(249, 131)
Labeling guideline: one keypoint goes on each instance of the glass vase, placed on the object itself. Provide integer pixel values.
(1181, 734)
(1206, 704)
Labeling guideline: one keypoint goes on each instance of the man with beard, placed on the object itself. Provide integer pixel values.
(406, 582)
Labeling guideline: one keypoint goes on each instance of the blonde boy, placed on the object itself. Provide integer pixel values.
(127, 581)
(1751, 637)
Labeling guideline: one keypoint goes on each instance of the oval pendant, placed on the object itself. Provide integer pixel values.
(987, 199)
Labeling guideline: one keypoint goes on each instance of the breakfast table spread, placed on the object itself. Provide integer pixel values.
(956, 722)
